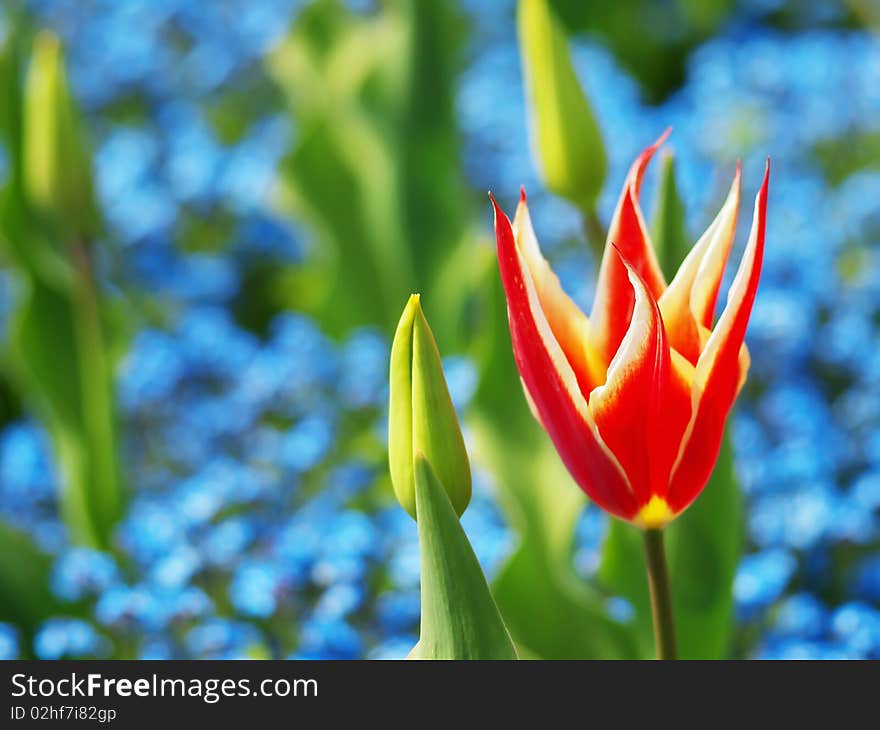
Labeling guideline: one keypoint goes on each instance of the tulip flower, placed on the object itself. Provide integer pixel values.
(636, 395)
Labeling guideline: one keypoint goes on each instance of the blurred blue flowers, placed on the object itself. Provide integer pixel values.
(258, 524)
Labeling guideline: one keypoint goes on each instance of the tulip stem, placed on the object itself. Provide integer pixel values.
(661, 597)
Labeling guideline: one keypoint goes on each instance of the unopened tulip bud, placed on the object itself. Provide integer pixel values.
(566, 142)
(57, 164)
(421, 415)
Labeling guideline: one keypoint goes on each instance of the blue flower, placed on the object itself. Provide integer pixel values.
(150, 531)
(761, 578)
(801, 615)
(857, 625)
(184, 604)
(177, 568)
(129, 608)
(68, 638)
(462, 378)
(774, 648)
(364, 369)
(329, 639)
(82, 572)
(9, 642)
(156, 650)
(395, 648)
(340, 600)
(866, 581)
(227, 540)
(398, 611)
(220, 638)
(257, 588)
(307, 443)
(151, 370)
(620, 609)
(26, 468)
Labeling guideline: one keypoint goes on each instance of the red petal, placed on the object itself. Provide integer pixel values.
(613, 305)
(552, 384)
(720, 370)
(688, 305)
(569, 324)
(645, 406)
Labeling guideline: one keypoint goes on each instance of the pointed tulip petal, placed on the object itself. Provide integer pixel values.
(569, 324)
(688, 305)
(614, 300)
(644, 407)
(720, 370)
(553, 386)
(637, 169)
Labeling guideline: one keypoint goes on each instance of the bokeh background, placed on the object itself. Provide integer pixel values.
(273, 178)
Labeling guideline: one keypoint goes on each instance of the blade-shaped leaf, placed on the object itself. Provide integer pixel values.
(375, 168)
(25, 599)
(58, 351)
(551, 612)
(668, 231)
(459, 617)
(59, 357)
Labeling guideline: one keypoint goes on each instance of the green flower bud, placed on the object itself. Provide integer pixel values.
(421, 415)
(57, 163)
(565, 137)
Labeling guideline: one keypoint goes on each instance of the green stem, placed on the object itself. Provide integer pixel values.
(102, 478)
(661, 597)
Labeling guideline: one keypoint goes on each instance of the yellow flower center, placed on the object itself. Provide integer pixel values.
(655, 514)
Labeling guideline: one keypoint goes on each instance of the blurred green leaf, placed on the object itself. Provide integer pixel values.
(846, 155)
(459, 617)
(657, 54)
(25, 600)
(59, 356)
(703, 548)
(375, 169)
(58, 352)
(668, 230)
(550, 612)
(566, 141)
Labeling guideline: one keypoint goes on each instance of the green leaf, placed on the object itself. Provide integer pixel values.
(668, 230)
(566, 141)
(550, 611)
(25, 599)
(421, 415)
(58, 348)
(375, 170)
(459, 617)
(703, 548)
(74, 400)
